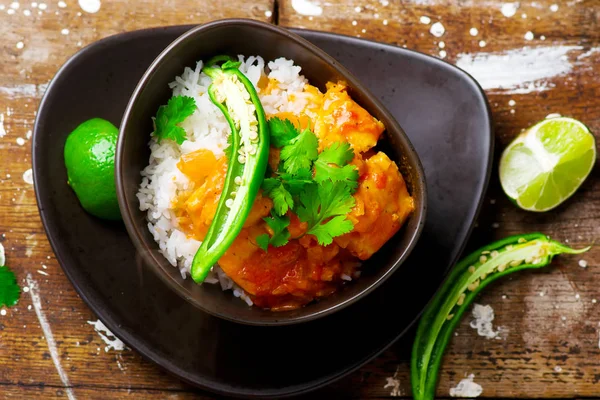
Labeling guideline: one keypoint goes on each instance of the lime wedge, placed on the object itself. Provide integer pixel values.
(547, 163)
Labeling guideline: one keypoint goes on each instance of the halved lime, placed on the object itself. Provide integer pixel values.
(547, 163)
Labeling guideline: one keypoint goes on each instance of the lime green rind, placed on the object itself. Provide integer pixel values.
(540, 174)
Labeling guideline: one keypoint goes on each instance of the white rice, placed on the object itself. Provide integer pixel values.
(207, 128)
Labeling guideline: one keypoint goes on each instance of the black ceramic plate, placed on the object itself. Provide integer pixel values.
(443, 111)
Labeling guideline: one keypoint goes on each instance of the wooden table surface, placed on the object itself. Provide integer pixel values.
(533, 58)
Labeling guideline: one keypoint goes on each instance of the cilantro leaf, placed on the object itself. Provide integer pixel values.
(300, 153)
(175, 112)
(339, 154)
(321, 204)
(9, 288)
(296, 183)
(336, 226)
(282, 198)
(263, 241)
(279, 224)
(282, 131)
(281, 235)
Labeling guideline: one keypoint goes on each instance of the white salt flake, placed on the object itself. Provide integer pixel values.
(583, 263)
(357, 9)
(20, 45)
(20, 141)
(437, 29)
(441, 45)
(557, 369)
(91, 6)
(385, 21)
(62, 4)
(3, 312)
(28, 176)
(466, 388)
(512, 103)
(484, 315)
(302, 7)
(10, 11)
(15, 5)
(554, 7)
(473, 31)
(425, 20)
(268, 13)
(64, 31)
(43, 6)
(509, 9)
(105, 334)
(2, 256)
(443, 54)
(529, 36)
(482, 43)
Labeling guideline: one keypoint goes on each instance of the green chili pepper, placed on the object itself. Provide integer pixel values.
(237, 99)
(461, 286)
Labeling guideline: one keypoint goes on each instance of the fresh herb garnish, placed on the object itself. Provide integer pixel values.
(168, 117)
(282, 132)
(321, 201)
(281, 235)
(9, 288)
(324, 207)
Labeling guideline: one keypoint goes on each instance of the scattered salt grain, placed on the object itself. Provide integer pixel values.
(482, 43)
(302, 7)
(26, 289)
(466, 388)
(563, 318)
(512, 103)
(15, 5)
(42, 272)
(2, 256)
(473, 31)
(3, 312)
(354, 23)
(557, 369)
(484, 315)
(42, 6)
(385, 21)
(28, 135)
(529, 36)
(26, 13)
(509, 9)
(583, 263)
(542, 294)
(20, 45)
(28, 176)
(34, 5)
(425, 20)
(64, 31)
(10, 11)
(443, 54)
(594, 301)
(437, 29)
(542, 37)
(441, 45)
(577, 296)
(364, 31)
(554, 7)
(357, 9)
(105, 335)
(268, 13)
(62, 4)
(20, 141)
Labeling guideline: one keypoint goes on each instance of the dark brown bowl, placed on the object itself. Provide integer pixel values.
(249, 37)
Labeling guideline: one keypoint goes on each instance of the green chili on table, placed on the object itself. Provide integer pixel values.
(235, 96)
(463, 283)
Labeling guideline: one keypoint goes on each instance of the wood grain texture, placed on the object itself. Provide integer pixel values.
(550, 319)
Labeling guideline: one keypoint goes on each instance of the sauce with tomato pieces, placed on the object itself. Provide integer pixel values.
(301, 271)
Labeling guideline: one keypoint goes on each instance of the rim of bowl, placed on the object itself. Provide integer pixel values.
(137, 236)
